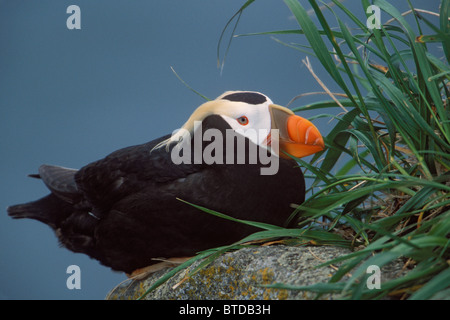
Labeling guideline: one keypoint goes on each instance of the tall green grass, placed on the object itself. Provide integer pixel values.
(392, 197)
(389, 200)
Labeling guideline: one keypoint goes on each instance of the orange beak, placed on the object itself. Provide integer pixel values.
(297, 136)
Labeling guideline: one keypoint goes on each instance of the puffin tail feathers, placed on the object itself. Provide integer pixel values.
(48, 210)
(58, 205)
(73, 228)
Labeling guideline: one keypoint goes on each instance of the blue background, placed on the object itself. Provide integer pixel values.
(70, 97)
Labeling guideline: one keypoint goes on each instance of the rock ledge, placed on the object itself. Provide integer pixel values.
(239, 275)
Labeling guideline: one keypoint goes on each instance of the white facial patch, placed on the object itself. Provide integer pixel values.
(259, 121)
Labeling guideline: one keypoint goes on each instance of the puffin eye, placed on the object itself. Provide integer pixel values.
(242, 120)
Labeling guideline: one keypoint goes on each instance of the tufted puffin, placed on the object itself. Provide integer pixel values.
(125, 210)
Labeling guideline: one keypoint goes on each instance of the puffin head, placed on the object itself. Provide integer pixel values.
(247, 112)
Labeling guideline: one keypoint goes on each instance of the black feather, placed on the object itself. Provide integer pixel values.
(248, 97)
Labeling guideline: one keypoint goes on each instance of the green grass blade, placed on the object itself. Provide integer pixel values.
(445, 26)
(236, 16)
(260, 225)
(315, 40)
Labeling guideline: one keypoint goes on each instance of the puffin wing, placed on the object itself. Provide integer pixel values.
(127, 171)
(60, 181)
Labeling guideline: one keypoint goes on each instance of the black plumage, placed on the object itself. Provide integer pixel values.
(123, 210)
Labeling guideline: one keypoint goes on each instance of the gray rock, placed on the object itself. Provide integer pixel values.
(240, 275)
